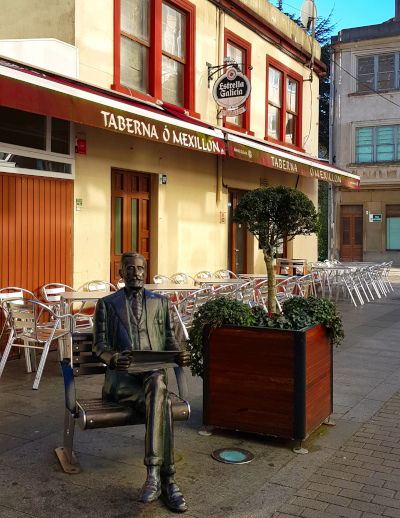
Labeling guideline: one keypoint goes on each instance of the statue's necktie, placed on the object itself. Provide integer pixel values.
(136, 305)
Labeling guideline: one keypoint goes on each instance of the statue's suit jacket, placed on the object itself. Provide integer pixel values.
(111, 332)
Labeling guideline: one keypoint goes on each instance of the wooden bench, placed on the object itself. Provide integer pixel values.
(96, 412)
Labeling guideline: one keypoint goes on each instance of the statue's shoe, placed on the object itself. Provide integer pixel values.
(151, 489)
(172, 496)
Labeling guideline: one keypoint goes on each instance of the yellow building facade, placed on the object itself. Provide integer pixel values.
(177, 208)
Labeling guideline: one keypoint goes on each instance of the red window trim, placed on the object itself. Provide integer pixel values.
(155, 55)
(299, 125)
(246, 46)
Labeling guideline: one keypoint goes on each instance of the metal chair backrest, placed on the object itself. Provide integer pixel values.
(22, 315)
(163, 279)
(182, 278)
(304, 285)
(246, 293)
(225, 274)
(226, 290)
(285, 288)
(205, 274)
(30, 333)
(100, 286)
(51, 292)
(13, 293)
(120, 284)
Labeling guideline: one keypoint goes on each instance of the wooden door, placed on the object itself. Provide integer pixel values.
(130, 217)
(351, 233)
(36, 221)
(237, 237)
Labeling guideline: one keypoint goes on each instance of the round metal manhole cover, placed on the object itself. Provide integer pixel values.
(232, 455)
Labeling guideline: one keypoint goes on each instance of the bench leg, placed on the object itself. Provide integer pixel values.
(65, 454)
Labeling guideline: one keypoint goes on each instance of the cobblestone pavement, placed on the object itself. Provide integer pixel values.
(352, 468)
(362, 479)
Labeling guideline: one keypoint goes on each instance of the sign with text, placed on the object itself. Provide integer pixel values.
(375, 218)
(290, 165)
(231, 89)
(91, 109)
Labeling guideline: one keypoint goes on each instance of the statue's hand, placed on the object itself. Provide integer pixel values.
(182, 358)
(121, 361)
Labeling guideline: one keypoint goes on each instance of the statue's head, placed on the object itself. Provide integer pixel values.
(133, 270)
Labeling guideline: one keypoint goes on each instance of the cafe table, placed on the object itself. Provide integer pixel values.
(334, 270)
(260, 276)
(219, 282)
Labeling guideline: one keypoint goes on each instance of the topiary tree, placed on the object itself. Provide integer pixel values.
(273, 214)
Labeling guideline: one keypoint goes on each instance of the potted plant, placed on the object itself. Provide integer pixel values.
(273, 214)
(264, 372)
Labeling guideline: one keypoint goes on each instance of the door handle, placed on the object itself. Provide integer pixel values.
(237, 250)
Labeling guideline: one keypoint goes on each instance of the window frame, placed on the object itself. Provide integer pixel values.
(395, 142)
(234, 39)
(376, 69)
(286, 72)
(392, 211)
(42, 154)
(156, 53)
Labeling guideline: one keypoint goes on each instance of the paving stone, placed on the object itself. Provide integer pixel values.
(323, 488)
(349, 484)
(343, 511)
(310, 503)
(369, 507)
(371, 490)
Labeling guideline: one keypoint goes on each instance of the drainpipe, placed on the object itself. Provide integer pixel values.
(331, 151)
(221, 28)
(397, 11)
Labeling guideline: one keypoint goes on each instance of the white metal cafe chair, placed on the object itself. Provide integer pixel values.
(304, 285)
(99, 286)
(185, 309)
(204, 275)
(14, 293)
(246, 293)
(225, 274)
(284, 291)
(226, 290)
(34, 326)
(163, 279)
(183, 278)
(386, 271)
(51, 295)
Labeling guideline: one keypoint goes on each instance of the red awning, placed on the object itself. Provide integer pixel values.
(27, 89)
(289, 162)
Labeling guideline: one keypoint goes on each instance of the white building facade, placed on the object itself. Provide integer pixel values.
(365, 140)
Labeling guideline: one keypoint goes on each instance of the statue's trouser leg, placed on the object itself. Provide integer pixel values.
(159, 450)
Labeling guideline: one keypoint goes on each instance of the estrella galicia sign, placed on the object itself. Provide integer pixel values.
(231, 89)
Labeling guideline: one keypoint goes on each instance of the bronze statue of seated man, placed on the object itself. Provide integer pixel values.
(134, 318)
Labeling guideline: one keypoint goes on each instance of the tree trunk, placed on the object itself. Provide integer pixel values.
(269, 261)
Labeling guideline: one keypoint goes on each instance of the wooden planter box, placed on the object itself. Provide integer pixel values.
(267, 381)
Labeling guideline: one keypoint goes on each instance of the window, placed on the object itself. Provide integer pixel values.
(380, 72)
(240, 51)
(393, 227)
(378, 144)
(35, 142)
(284, 93)
(154, 50)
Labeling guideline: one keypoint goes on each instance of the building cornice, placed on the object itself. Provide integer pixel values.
(266, 29)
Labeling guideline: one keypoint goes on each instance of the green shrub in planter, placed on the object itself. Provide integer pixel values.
(215, 312)
(298, 313)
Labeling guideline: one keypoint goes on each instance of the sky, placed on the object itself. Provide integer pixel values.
(347, 13)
